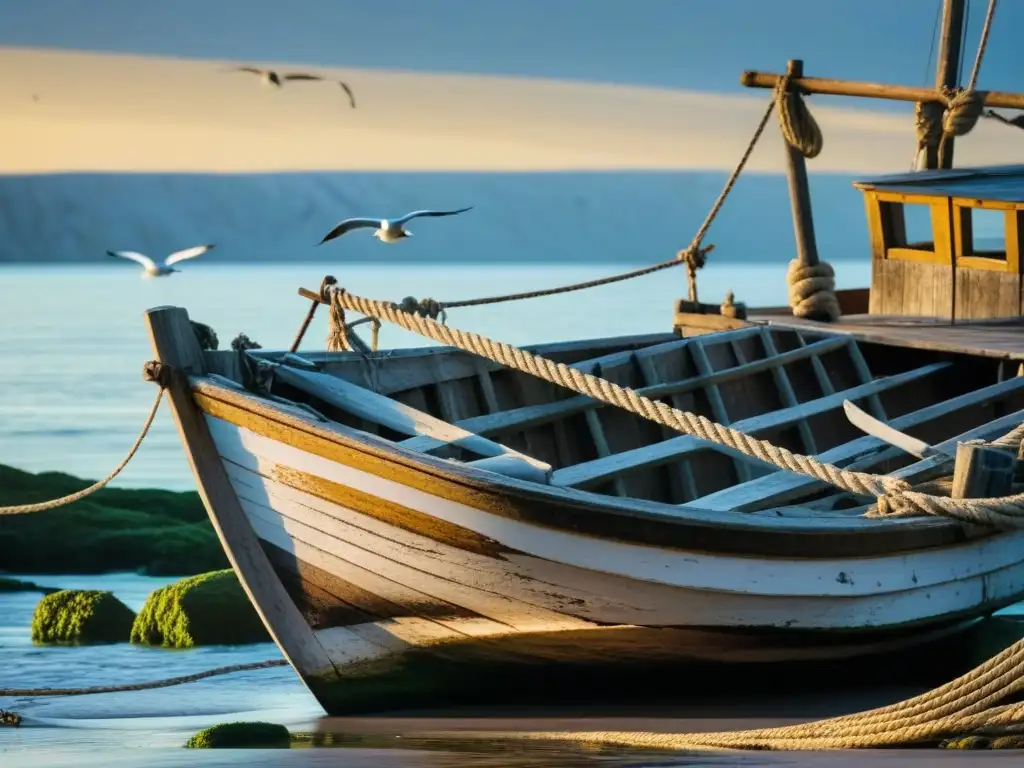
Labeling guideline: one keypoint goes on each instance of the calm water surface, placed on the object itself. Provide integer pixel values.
(71, 398)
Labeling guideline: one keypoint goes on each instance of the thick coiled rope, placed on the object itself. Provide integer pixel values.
(151, 373)
(966, 706)
(812, 290)
(608, 392)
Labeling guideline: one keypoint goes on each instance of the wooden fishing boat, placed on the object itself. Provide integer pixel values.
(420, 522)
(426, 525)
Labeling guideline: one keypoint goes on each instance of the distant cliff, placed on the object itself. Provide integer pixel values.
(636, 217)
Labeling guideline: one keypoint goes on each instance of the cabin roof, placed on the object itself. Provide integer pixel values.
(1004, 183)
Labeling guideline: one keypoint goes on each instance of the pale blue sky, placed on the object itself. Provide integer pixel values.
(697, 44)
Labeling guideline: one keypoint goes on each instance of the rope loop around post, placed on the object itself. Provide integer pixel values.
(799, 128)
(812, 290)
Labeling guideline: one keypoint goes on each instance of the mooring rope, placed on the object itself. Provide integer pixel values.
(165, 683)
(42, 506)
(609, 392)
(434, 309)
(969, 705)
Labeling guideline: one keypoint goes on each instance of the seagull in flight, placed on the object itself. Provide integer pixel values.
(386, 230)
(152, 269)
(276, 79)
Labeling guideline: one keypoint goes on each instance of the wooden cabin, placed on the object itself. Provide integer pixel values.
(946, 243)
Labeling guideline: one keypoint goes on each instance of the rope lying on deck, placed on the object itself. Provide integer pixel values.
(609, 392)
(165, 683)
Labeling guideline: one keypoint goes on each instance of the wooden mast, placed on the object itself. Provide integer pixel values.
(947, 74)
(799, 191)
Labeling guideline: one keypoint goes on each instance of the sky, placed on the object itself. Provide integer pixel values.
(123, 85)
(692, 44)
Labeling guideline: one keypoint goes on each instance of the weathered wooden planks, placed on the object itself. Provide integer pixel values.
(989, 338)
(520, 418)
(591, 472)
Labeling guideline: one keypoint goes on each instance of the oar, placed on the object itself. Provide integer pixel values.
(872, 426)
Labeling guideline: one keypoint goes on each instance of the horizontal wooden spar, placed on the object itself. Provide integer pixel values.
(752, 79)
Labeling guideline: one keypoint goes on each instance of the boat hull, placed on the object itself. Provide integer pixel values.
(420, 598)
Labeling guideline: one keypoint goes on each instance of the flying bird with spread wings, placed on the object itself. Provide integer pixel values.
(386, 230)
(151, 269)
(276, 79)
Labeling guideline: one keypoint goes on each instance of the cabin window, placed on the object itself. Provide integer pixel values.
(982, 232)
(906, 229)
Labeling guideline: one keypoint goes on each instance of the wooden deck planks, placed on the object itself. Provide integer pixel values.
(994, 338)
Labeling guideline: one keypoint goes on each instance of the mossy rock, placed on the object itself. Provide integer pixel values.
(17, 585)
(208, 609)
(76, 616)
(157, 532)
(241, 735)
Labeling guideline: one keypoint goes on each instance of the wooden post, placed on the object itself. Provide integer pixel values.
(799, 191)
(947, 74)
(982, 471)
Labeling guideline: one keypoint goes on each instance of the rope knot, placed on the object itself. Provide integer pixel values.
(964, 107)
(799, 128)
(158, 373)
(812, 290)
(424, 308)
(694, 257)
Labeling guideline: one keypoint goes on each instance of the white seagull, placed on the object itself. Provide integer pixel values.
(386, 230)
(276, 79)
(152, 269)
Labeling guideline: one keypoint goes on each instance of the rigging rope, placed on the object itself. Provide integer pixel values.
(434, 309)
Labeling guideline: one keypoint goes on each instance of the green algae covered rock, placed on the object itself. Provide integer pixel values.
(157, 532)
(241, 735)
(76, 616)
(8, 584)
(208, 609)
